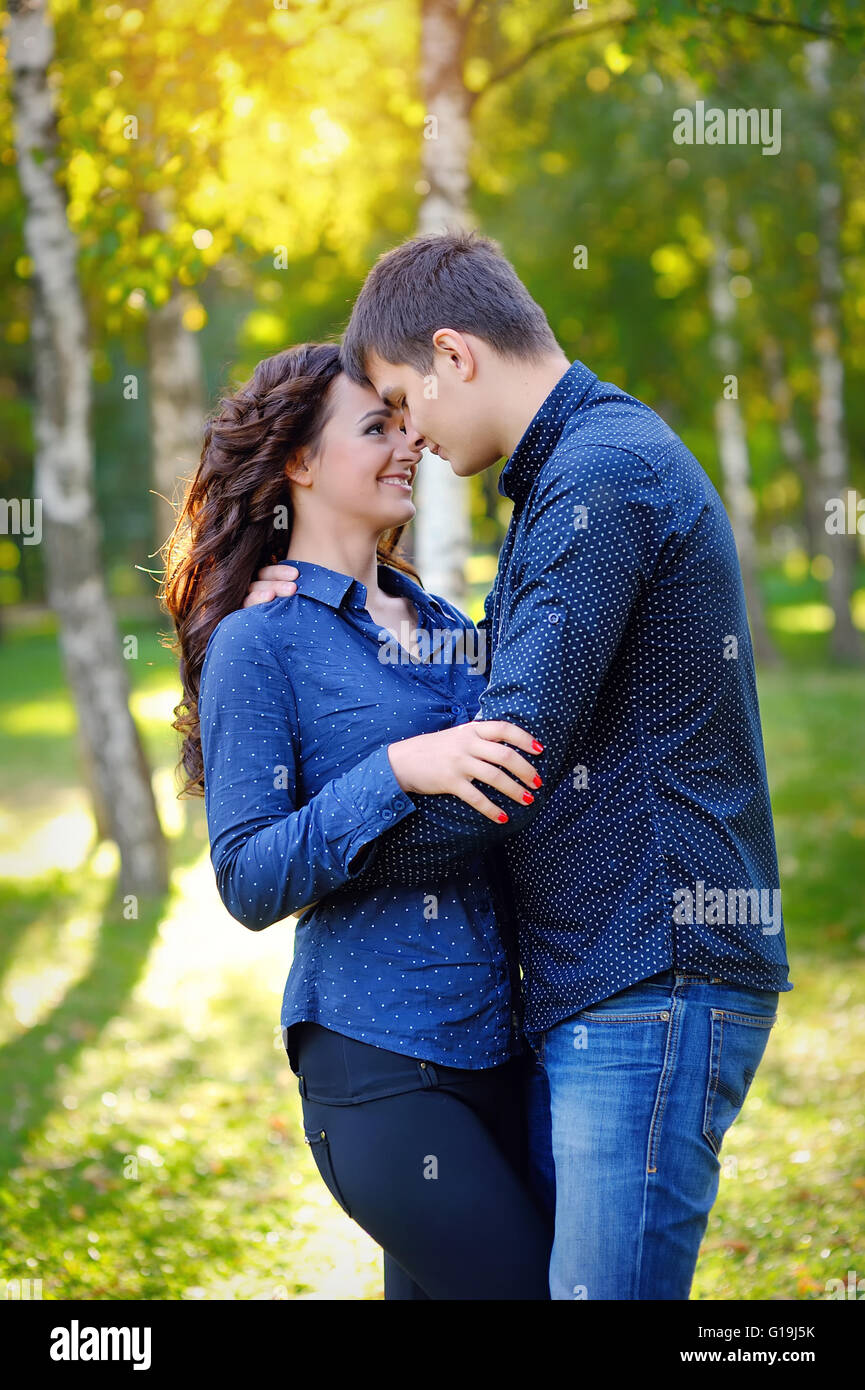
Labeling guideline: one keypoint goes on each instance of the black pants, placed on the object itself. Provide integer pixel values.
(432, 1162)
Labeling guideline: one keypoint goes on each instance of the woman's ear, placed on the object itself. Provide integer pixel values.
(296, 469)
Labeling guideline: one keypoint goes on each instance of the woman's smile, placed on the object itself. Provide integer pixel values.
(402, 480)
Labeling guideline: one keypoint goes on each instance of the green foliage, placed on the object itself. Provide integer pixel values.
(147, 1094)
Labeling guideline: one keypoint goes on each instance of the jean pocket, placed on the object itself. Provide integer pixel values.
(320, 1144)
(737, 1043)
(635, 1005)
(644, 1002)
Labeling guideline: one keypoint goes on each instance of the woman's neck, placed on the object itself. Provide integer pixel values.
(354, 555)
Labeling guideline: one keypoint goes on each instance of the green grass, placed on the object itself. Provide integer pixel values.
(153, 1147)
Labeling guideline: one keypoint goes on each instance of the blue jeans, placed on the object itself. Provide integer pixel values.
(629, 1102)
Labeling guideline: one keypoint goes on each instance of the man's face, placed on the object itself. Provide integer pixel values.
(443, 407)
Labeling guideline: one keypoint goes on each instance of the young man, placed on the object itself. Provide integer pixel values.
(645, 871)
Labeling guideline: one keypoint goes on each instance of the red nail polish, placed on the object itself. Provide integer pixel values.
(502, 817)
(538, 782)
(537, 747)
(528, 798)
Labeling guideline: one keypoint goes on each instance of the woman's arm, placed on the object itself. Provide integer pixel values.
(272, 856)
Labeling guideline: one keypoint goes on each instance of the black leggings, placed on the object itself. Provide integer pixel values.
(431, 1161)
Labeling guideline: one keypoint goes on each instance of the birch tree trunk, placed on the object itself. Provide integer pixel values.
(442, 526)
(730, 427)
(177, 406)
(832, 455)
(793, 448)
(63, 471)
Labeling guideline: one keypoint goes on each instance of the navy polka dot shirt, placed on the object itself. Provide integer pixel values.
(299, 698)
(620, 640)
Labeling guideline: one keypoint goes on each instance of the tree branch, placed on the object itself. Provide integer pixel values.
(763, 21)
(567, 31)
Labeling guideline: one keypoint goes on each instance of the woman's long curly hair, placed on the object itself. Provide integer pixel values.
(237, 513)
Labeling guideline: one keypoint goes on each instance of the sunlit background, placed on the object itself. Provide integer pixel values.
(230, 172)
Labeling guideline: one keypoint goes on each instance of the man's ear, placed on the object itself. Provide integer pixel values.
(455, 351)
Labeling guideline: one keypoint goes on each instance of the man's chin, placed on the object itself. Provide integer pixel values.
(467, 468)
(461, 466)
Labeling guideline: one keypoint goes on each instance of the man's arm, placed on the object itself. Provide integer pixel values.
(591, 541)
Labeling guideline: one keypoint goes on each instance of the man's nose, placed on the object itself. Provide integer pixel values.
(413, 437)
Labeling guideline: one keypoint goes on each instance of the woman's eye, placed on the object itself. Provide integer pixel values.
(379, 426)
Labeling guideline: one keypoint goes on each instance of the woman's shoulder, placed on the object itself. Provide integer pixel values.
(251, 634)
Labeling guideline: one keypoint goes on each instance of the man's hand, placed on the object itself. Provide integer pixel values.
(273, 581)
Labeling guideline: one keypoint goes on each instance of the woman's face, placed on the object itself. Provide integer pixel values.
(364, 468)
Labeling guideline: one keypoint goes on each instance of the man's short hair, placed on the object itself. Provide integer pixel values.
(457, 280)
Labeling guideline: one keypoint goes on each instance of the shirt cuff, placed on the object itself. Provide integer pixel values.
(379, 802)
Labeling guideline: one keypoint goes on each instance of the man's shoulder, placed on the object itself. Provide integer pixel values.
(618, 434)
(612, 419)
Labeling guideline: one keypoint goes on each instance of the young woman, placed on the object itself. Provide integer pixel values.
(401, 1014)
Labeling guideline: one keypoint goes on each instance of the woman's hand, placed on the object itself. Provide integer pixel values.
(272, 581)
(447, 761)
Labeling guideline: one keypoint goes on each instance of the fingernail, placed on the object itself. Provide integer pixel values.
(537, 747)
(538, 782)
(502, 817)
(527, 797)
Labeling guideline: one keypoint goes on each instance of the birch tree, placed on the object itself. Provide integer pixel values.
(176, 380)
(442, 528)
(832, 451)
(63, 471)
(729, 423)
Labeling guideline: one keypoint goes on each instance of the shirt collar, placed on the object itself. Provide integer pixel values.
(334, 588)
(544, 431)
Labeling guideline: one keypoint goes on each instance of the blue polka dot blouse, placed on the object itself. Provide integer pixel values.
(299, 698)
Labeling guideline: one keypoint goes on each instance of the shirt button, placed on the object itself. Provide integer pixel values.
(484, 904)
(388, 815)
(398, 804)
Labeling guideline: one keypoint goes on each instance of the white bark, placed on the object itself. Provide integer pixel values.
(63, 471)
(832, 454)
(793, 447)
(730, 429)
(177, 405)
(442, 527)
